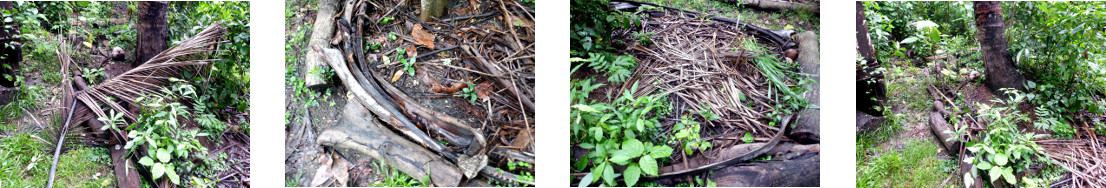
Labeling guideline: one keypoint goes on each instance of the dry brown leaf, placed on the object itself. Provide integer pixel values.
(412, 51)
(397, 75)
(323, 173)
(422, 36)
(340, 171)
(484, 91)
(386, 60)
(516, 21)
(522, 139)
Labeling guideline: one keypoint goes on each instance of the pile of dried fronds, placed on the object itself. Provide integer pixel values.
(696, 62)
(1082, 158)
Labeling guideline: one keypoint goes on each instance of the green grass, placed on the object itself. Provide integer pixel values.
(915, 166)
(395, 178)
(25, 165)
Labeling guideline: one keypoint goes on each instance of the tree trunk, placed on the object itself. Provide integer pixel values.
(431, 9)
(870, 89)
(153, 30)
(11, 52)
(1000, 69)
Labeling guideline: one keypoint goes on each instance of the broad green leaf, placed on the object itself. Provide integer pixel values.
(587, 145)
(631, 175)
(1008, 174)
(995, 173)
(586, 180)
(597, 133)
(648, 165)
(983, 165)
(621, 157)
(634, 146)
(146, 161)
(586, 108)
(173, 177)
(598, 171)
(660, 151)
(608, 174)
(1001, 159)
(163, 155)
(909, 40)
(158, 170)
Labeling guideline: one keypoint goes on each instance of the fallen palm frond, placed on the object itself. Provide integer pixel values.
(147, 79)
(1082, 158)
(151, 77)
(696, 62)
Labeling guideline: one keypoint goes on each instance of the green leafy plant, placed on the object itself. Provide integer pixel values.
(1003, 150)
(611, 132)
(617, 69)
(93, 75)
(386, 19)
(468, 93)
(687, 135)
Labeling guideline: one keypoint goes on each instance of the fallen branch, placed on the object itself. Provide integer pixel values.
(357, 131)
(776, 5)
(740, 153)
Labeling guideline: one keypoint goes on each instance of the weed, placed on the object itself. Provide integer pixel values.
(468, 93)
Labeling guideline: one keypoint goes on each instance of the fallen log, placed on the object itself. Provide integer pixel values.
(357, 131)
(942, 132)
(867, 123)
(125, 174)
(808, 127)
(776, 5)
(323, 32)
(799, 171)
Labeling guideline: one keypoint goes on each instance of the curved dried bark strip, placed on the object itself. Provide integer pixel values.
(454, 130)
(358, 132)
(743, 152)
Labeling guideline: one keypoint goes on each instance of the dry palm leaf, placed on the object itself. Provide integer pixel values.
(152, 76)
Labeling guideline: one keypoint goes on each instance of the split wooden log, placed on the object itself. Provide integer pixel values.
(324, 30)
(125, 173)
(942, 132)
(867, 123)
(357, 131)
(801, 170)
(776, 5)
(808, 127)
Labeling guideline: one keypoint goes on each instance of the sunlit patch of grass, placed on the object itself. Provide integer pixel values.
(915, 166)
(25, 165)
